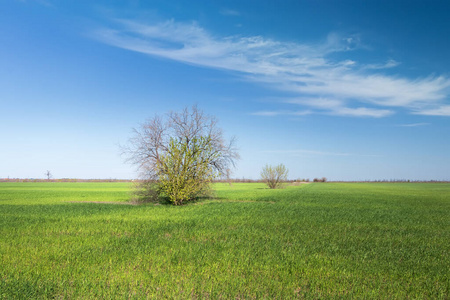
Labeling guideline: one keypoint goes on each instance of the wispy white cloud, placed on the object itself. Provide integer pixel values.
(339, 108)
(271, 113)
(362, 112)
(443, 110)
(41, 2)
(389, 64)
(324, 85)
(302, 152)
(229, 12)
(414, 125)
(321, 103)
(334, 110)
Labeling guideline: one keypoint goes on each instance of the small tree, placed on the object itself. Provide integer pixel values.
(180, 155)
(48, 175)
(274, 176)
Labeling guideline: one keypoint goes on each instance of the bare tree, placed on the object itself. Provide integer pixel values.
(188, 143)
(48, 175)
(274, 176)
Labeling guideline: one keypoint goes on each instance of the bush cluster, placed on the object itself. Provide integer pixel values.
(323, 179)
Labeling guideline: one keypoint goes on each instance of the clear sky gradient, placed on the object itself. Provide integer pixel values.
(348, 90)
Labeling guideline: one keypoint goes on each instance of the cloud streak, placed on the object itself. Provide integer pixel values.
(302, 152)
(229, 12)
(414, 125)
(272, 113)
(323, 85)
(443, 111)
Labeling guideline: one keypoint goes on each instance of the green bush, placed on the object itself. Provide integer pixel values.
(185, 171)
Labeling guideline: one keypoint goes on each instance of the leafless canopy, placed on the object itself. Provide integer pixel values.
(48, 175)
(151, 141)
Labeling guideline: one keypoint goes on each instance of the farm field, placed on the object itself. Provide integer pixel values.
(320, 240)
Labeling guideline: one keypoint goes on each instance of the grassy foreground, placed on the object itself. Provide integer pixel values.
(325, 240)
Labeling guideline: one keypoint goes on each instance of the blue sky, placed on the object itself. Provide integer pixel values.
(348, 90)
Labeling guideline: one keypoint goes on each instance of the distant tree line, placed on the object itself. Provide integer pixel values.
(62, 180)
(219, 180)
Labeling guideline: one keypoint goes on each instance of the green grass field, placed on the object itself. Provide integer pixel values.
(325, 240)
